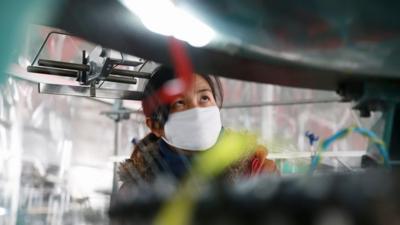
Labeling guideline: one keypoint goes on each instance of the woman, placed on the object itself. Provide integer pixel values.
(191, 123)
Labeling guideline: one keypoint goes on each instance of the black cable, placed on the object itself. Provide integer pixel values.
(45, 41)
(141, 67)
(121, 62)
(101, 84)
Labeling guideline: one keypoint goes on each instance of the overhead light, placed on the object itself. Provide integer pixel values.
(163, 17)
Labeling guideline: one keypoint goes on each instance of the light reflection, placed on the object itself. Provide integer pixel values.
(163, 17)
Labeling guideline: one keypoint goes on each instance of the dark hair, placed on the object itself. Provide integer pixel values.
(159, 111)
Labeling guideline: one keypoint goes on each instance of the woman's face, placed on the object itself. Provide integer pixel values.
(198, 95)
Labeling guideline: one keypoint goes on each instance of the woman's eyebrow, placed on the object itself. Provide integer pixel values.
(203, 90)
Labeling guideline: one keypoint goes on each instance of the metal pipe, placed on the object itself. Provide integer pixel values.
(284, 103)
(130, 73)
(117, 105)
(82, 67)
(52, 71)
(121, 79)
(115, 169)
(63, 65)
(125, 62)
(73, 90)
(69, 73)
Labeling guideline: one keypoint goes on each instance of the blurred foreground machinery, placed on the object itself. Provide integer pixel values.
(368, 198)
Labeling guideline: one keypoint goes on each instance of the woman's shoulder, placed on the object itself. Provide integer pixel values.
(257, 161)
(142, 159)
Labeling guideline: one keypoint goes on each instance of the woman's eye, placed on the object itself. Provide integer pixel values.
(178, 103)
(205, 98)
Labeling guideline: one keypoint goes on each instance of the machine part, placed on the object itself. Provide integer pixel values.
(103, 53)
(379, 96)
(268, 52)
(88, 73)
(85, 91)
(119, 79)
(392, 129)
(308, 154)
(120, 114)
(83, 77)
(124, 62)
(63, 65)
(129, 73)
(52, 71)
(117, 114)
(82, 67)
(74, 74)
(92, 89)
(107, 67)
(365, 198)
(114, 189)
(283, 103)
(373, 138)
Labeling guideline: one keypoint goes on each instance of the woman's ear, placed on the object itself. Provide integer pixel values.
(155, 127)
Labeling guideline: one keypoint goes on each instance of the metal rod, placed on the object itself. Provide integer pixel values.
(69, 73)
(84, 91)
(283, 103)
(121, 79)
(114, 189)
(125, 62)
(52, 71)
(83, 76)
(63, 65)
(345, 165)
(130, 73)
(125, 111)
(82, 67)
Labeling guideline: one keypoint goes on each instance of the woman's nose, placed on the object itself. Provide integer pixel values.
(193, 103)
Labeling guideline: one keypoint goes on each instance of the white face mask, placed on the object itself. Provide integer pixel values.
(195, 129)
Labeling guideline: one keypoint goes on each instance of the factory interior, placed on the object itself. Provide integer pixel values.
(178, 112)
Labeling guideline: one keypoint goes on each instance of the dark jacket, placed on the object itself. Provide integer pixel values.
(146, 162)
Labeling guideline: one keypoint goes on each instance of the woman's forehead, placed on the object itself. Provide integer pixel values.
(200, 83)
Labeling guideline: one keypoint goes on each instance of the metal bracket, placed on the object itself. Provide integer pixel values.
(85, 91)
(378, 96)
(89, 73)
